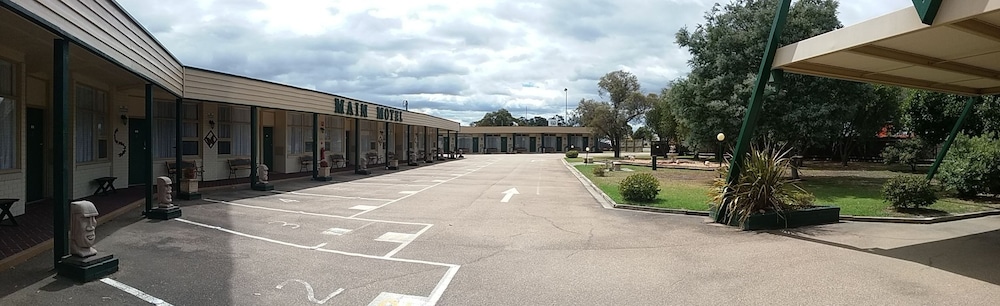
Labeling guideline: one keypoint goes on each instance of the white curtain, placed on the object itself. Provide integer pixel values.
(8, 128)
(549, 141)
(465, 143)
(493, 142)
(163, 129)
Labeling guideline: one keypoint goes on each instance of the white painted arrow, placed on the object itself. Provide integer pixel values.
(508, 194)
(287, 201)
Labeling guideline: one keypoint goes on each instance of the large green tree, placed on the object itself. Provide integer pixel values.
(662, 121)
(626, 103)
(872, 114)
(726, 53)
(501, 117)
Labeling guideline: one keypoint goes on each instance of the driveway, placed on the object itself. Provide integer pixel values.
(503, 230)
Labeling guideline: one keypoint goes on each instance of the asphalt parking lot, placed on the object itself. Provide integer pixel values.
(497, 230)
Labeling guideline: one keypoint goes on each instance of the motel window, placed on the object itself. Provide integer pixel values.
(523, 141)
(8, 118)
(299, 134)
(234, 130)
(335, 135)
(90, 127)
(465, 142)
(367, 138)
(493, 141)
(164, 136)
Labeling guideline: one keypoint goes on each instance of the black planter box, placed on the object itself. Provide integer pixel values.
(789, 219)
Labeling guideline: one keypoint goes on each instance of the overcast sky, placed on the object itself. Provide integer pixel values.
(456, 59)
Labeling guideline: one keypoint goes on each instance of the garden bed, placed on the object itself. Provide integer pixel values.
(790, 218)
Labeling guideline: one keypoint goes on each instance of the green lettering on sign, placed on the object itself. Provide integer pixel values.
(350, 108)
(364, 110)
(927, 10)
(338, 106)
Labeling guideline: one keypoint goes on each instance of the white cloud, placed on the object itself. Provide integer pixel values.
(455, 59)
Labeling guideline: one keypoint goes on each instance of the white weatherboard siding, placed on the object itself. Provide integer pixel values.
(105, 27)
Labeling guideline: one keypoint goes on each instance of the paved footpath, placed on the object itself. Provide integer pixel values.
(505, 230)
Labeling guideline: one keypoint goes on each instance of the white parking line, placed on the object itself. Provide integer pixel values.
(418, 191)
(136, 292)
(312, 214)
(432, 298)
(363, 207)
(330, 196)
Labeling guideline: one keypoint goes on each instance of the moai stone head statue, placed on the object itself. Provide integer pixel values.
(164, 191)
(83, 222)
(262, 173)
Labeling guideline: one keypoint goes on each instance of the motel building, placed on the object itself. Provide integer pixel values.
(524, 139)
(87, 95)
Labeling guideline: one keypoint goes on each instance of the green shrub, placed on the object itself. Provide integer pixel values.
(572, 153)
(599, 170)
(907, 191)
(762, 186)
(639, 187)
(905, 152)
(972, 166)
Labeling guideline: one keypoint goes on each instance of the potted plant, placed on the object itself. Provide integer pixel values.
(324, 168)
(189, 185)
(764, 197)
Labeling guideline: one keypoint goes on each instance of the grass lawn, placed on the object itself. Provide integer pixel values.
(674, 193)
(856, 190)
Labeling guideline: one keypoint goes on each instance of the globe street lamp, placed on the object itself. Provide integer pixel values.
(587, 157)
(721, 137)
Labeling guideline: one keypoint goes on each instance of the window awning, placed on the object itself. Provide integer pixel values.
(959, 53)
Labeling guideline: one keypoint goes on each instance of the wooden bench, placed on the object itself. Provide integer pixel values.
(238, 164)
(199, 171)
(5, 205)
(372, 158)
(105, 184)
(338, 160)
(492, 150)
(304, 162)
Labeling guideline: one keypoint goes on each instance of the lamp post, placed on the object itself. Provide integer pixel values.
(566, 91)
(406, 105)
(721, 137)
(587, 157)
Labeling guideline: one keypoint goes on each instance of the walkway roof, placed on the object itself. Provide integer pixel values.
(959, 53)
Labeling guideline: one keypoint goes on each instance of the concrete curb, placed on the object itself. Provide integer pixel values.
(930, 220)
(595, 191)
(663, 210)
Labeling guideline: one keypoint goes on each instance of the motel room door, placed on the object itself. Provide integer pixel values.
(35, 176)
(137, 155)
(503, 144)
(269, 147)
(475, 144)
(533, 144)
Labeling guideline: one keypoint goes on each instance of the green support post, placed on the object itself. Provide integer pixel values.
(315, 140)
(61, 171)
(756, 99)
(951, 137)
(408, 131)
(147, 146)
(254, 144)
(357, 148)
(425, 146)
(178, 152)
(927, 10)
(385, 143)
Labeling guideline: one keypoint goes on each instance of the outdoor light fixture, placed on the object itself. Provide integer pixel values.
(124, 114)
(211, 121)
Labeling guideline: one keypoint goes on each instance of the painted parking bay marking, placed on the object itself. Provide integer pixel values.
(363, 207)
(310, 294)
(287, 200)
(336, 231)
(284, 224)
(508, 194)
(396, 237)
(396, 299)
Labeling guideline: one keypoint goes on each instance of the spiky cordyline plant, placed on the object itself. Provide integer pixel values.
(762, 186)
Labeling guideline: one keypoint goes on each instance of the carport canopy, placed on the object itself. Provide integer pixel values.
(958, 53)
